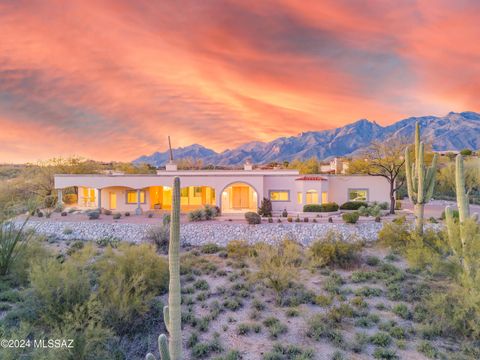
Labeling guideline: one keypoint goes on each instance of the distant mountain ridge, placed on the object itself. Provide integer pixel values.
(455, 131)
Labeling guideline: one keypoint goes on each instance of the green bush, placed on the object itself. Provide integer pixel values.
(353, 205)
(265, 208)
(327, 207)
(333, 250)
(253, 218)
(93, 215)
(350, 218)
(238, 249)
(210, 248)
(196, 215)
(129, 278)
(159, 236)
(395, 234)
(381, 339)
(289, 352)
(386, 354)
(59, 288)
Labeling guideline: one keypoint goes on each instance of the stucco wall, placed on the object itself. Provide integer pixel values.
(378, 187)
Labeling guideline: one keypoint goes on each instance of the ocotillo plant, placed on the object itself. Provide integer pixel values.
(459, 236)
(420, 179)
(172, 349)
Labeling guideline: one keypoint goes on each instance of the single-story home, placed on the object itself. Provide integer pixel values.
(233, 191)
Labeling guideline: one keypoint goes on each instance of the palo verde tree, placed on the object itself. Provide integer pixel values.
(420, 178)
(172, 350)
(385, 160)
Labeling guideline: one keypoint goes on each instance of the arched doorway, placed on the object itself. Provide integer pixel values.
(239, 197)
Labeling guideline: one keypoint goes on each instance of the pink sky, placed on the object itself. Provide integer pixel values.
(110, 80)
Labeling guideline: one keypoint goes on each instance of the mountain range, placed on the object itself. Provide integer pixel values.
(455, 131)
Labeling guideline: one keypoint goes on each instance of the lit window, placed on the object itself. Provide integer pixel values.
(324, 197)
(299, 197)
(197, 191)
(277, 195)
(132, 197)
(312, 197)
(357, 194)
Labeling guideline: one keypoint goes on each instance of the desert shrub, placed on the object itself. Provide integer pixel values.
(295, 295)
(289, 219)
(386, 354)
(323, 300)
(333, 250)
(278, 266)
(289, 352)
(93, 215)
(111, 241)
(329, 207)
(13, 243)
(252, 218)
(238, 249)
(210, 212)
(338, 313)
(232, 304)
(265, 208)
(333, 283)
(90, 337)
(350, 218)
(455, 310)
(116, 216)
(402, 311)
(63, 213)
(59, 288)
(196, 215)
(107, 212)
(210, 248)
(374, 210)
(427, 349)
(77, 245)
(128, 281)
(361, 340)
(381, 339)
(275, 327)
(372, 260)
(368, 292)
(455, 214)
(159, 236)
(353, 205)
(395, 234)
(320, 327)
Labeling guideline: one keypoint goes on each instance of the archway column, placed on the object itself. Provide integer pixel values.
(99, 200)
(138, 210)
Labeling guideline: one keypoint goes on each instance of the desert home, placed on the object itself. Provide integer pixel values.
(233, 191)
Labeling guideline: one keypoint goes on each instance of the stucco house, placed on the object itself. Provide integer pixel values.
(233, 191)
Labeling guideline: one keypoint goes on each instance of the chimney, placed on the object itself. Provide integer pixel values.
(248, 166)
(170, 166)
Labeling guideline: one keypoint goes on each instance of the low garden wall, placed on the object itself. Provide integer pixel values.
(199, 233)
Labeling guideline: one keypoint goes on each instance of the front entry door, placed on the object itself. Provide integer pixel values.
(113, 201)
(240, 197)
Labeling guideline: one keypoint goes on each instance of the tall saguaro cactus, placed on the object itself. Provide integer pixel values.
(172, 350)
(420, 178)
(458, 235)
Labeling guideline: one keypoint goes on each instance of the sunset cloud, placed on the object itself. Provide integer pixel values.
(111, 79)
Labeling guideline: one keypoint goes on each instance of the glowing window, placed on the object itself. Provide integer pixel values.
(358, 194)
(279, 195)
(197, 191)
(299, 197)
(132, 197)
(324, 197)
(312, 197)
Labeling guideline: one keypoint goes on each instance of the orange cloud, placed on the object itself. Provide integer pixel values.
(111, 79)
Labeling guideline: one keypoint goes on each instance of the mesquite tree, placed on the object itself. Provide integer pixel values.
(420, 178)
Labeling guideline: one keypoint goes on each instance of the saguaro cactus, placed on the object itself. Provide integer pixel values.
(420, 179)
(172, 350)
(458, 236)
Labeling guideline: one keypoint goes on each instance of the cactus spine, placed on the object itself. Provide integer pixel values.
(458, 232)
(420, 179)
(172, 350)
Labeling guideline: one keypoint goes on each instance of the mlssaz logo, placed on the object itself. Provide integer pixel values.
(53, 343)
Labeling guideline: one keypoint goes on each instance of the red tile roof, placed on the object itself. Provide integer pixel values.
(312, 178)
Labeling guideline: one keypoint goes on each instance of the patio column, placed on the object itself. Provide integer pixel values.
(99, 200)
(138, 210)
(59, 197)
(304, 200)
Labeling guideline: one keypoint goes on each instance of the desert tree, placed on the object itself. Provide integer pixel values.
(385, 159)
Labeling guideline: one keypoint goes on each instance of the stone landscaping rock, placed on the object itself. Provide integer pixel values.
(199, 233)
